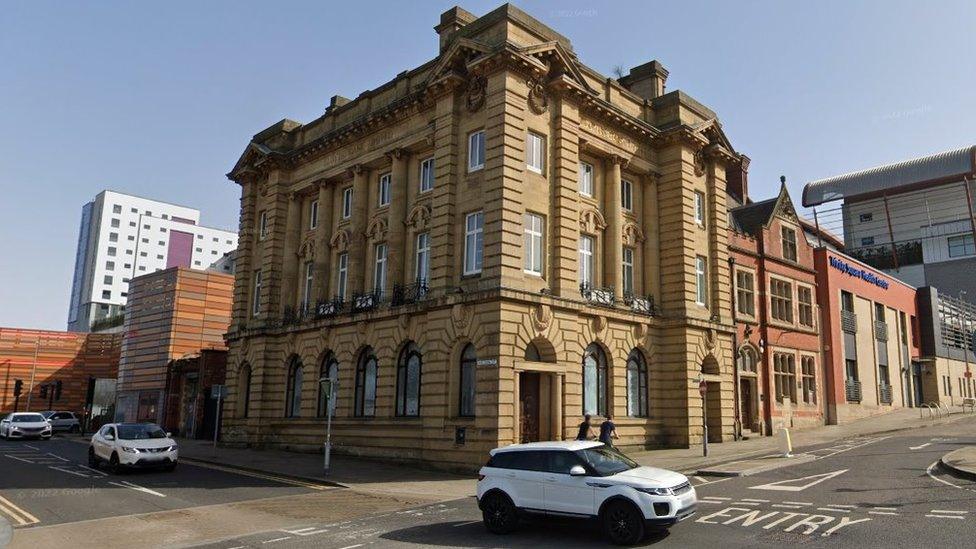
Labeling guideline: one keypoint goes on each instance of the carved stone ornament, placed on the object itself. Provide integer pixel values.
(640, 332)
(340, 240)
(541, 318)
(245, 346)
(599, 326)
(591, 220)
(264, 188)
(377, 228)
(477, 90)
(307, 249)
(632, 234)
(710, 339)
(461, 316)
(419, 216)
(538, 99)
(700, 162)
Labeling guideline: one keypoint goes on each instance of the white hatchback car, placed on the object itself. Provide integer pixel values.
(25, 425)
(582, 479)
(137, 445)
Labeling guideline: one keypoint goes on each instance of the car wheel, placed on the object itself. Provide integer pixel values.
(623, 524)
(113, 463)
(92, 458)
(499, 513)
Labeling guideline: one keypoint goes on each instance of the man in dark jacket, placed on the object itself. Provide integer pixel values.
(608, 431)
(585, 429)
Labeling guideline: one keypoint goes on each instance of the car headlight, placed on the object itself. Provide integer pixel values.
(656, 491)
(131, 450)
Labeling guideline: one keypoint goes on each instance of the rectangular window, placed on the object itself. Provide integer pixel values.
(108, 280)
(347, 203)
(109, 265)
(628, 271)
(379, 272)
(846, 301)
(307, 294)
(106, 294)
(804, 305)
(701, 280)
(535, 152)
(781, 300)
(256, 298)
(808, 379)
(867, 241)
(116, 208)
(343, 277)
(586, 179)
(384, 190)
(533, 243)
(626, 195)
(427, 175)
(115, 223)
(262, 224)
(111, 251)
(473, 242)
(313, 215)
(962, 245)
(789, 244)
(586, 261)
(423, 258)
(745, 293)
(113, 237)
(476, 151)
(784, 376)
(864, 218)
(700, 208)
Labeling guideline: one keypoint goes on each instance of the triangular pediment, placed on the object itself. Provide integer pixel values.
(254, 154)
(555, 51)
(458, 53)
(784, 205)
(712, 130)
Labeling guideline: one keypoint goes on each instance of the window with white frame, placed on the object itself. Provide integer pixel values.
(628, 270)
(586, 260)
(384, 190)
(961, 245)
(263, 225)
(586, 179)
(307, 293)
(256, 298)
(476, 150)
(313, 214)
(423, 257)
(379, 273)
(347, 203)
(342, 277)
(745, 293)
(535, 152)
(626, 195)
(427, 174)
(701, 280)
(473, 242)
(700, 208)
(533, 243)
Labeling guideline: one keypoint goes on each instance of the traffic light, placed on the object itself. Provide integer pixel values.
(44, 391)
(18, 387)
(57, 390)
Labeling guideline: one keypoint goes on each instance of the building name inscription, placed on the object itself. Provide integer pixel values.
(863, 274)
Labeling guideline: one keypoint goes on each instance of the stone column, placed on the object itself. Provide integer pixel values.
(243, 272)
(563, 257)
(612, 265)
(289, 271)
(357, 230)
(651, 265)
(323, 251)
(397, 247)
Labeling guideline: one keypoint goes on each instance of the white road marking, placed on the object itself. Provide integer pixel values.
(69, 471)
(137, 488)
(882, 513)
(20, 516)
(276, 539)
(756, 500)
(812, 480)
(353, 546)
(31, 447)
(948, 512)
(920, 446)
(885, 508)
(833, 510)
(720, 499)
(798, 503)
(928, 471)
(458, 525)
(58, 457)
(749, 503)
(19, 459)
(87, 468)
(786, 506)
(298, 531)
(957, 517)
(274, 478)
(844, 505)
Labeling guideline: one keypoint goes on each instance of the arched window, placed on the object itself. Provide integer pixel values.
(747, 360)
(636, 385)
(365, 405)
(329, 370)
(594, 381)
(293, 394)
(244, 390)
(408, 382)
(532, 353)
(468, 371)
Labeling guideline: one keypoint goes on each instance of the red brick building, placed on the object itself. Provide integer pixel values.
(779, 371)
(189, 409)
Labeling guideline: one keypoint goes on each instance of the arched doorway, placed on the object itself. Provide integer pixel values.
(747, 362)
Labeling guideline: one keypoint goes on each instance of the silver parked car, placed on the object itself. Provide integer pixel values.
(63, 421)
(25, 425)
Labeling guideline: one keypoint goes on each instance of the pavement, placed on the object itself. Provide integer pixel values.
(962, 462)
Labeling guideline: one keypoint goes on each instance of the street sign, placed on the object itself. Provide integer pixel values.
(218, 391)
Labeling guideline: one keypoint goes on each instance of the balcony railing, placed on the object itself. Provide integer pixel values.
(599, 296)
(366, 301)
(642, 305)
(328, 309)
(404, 294)
(884, 393)
(848, 321)
(880, 330)
(852, 390)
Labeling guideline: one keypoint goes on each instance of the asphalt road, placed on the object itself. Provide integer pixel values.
(864, 492)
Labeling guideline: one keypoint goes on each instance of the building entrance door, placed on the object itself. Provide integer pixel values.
(529, 406)
(745, 403)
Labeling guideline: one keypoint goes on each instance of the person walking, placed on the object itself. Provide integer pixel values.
(608, 431)
(585, 429)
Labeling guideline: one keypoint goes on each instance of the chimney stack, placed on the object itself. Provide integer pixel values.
(452, 21)
(646, 80)
(737, 180)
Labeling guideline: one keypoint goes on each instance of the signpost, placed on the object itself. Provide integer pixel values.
(328, 387)
(219, 392)
(702, 390)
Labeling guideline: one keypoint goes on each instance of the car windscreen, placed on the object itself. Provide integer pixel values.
(606, 461)
(140, 432)
(28, 418)
(47, 414)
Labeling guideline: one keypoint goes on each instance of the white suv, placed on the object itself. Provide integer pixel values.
(586, 479)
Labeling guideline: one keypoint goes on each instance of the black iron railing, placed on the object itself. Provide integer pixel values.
(640, 304)
(404, 294)
(600, 296)
(848, 321)
(328, 308)
(852, 390)
(366, 301)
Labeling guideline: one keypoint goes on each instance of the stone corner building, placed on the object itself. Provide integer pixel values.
(480, 251)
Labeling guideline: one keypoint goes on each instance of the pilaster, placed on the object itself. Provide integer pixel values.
(397, 247)
(612, 239)
(357, 230)
(564, 213)
(323, 235)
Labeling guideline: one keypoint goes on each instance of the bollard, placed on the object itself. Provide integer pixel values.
(785, 443)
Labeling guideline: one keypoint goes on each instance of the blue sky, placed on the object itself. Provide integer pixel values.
(159, 98)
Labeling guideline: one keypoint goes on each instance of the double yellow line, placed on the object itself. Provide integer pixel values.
(19, 516)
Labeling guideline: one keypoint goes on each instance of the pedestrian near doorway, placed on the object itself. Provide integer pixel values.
(608, 431)
(585, 429)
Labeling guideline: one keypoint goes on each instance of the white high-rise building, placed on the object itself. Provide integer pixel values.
(124, 236)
